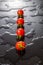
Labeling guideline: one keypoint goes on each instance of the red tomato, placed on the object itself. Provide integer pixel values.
(20, 31)
(20, 12)
(20, 45)
(20, 21)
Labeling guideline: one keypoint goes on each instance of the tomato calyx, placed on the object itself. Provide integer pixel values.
(20, 26)
(20, 16)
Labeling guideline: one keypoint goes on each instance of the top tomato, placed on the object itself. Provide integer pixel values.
(20, 21)
(20, 12)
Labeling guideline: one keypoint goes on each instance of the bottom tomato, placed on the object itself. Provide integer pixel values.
(20, 45)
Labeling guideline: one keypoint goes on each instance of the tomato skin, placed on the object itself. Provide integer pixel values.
(19, 44)
(20, 21)
(20, 11)
(20, 31)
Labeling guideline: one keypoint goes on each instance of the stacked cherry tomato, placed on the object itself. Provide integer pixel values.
(20, 13)
(20, 44)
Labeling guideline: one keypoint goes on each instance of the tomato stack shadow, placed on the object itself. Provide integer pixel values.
(20, 44)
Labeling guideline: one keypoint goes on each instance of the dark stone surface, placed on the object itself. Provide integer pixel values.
(33, 16)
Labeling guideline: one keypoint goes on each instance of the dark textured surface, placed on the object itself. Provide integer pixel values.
(33, 16)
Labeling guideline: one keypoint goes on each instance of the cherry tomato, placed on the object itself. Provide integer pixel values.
(20, 31)
(20, 21)
(20, 12)
(20, 45)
